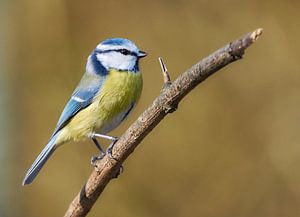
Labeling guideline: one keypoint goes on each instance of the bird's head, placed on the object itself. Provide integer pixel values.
(116, 53)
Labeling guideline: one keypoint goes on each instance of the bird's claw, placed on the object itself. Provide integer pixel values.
(110, 148)
(121, 170)
(109, 153)
(94, 159)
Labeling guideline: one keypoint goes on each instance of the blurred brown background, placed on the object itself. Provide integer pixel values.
(231, 149)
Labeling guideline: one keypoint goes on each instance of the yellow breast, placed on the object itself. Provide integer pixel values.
(118, 92)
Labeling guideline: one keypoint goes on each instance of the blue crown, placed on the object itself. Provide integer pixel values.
(116, 41)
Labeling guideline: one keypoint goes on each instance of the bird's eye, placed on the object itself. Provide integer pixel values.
(124, 52)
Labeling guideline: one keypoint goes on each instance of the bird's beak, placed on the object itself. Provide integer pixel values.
(142, 54)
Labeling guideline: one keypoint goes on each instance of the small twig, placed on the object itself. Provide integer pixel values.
(169, 97)
(166, 76)
(167, 83)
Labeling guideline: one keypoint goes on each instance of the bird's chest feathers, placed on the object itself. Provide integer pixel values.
(119, 91)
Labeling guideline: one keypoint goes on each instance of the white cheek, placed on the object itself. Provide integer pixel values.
(128, 62)
(117, 61)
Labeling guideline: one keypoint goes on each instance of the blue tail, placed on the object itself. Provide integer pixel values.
(40, 161)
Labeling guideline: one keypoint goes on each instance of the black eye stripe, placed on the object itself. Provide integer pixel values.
(122, 51)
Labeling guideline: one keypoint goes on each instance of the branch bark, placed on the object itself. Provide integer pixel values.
(164, 104)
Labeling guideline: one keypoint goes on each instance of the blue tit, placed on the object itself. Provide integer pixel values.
(106, 94)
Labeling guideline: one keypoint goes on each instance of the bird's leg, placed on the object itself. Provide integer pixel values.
(102, 153)
(112, 138)
(98, 146)
(109, 149)
(111, 146)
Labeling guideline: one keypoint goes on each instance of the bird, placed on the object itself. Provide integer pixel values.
(106, 94)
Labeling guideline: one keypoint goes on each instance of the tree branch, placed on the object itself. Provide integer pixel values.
(165, 103)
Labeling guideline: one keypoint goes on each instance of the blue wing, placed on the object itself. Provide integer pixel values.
(81, 98)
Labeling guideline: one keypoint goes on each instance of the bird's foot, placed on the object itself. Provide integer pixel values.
(121, 170)
(109, 153)
(110, 148)
(96, 158)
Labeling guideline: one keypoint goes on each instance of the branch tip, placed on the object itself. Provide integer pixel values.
(255, 35)
(166, 76)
